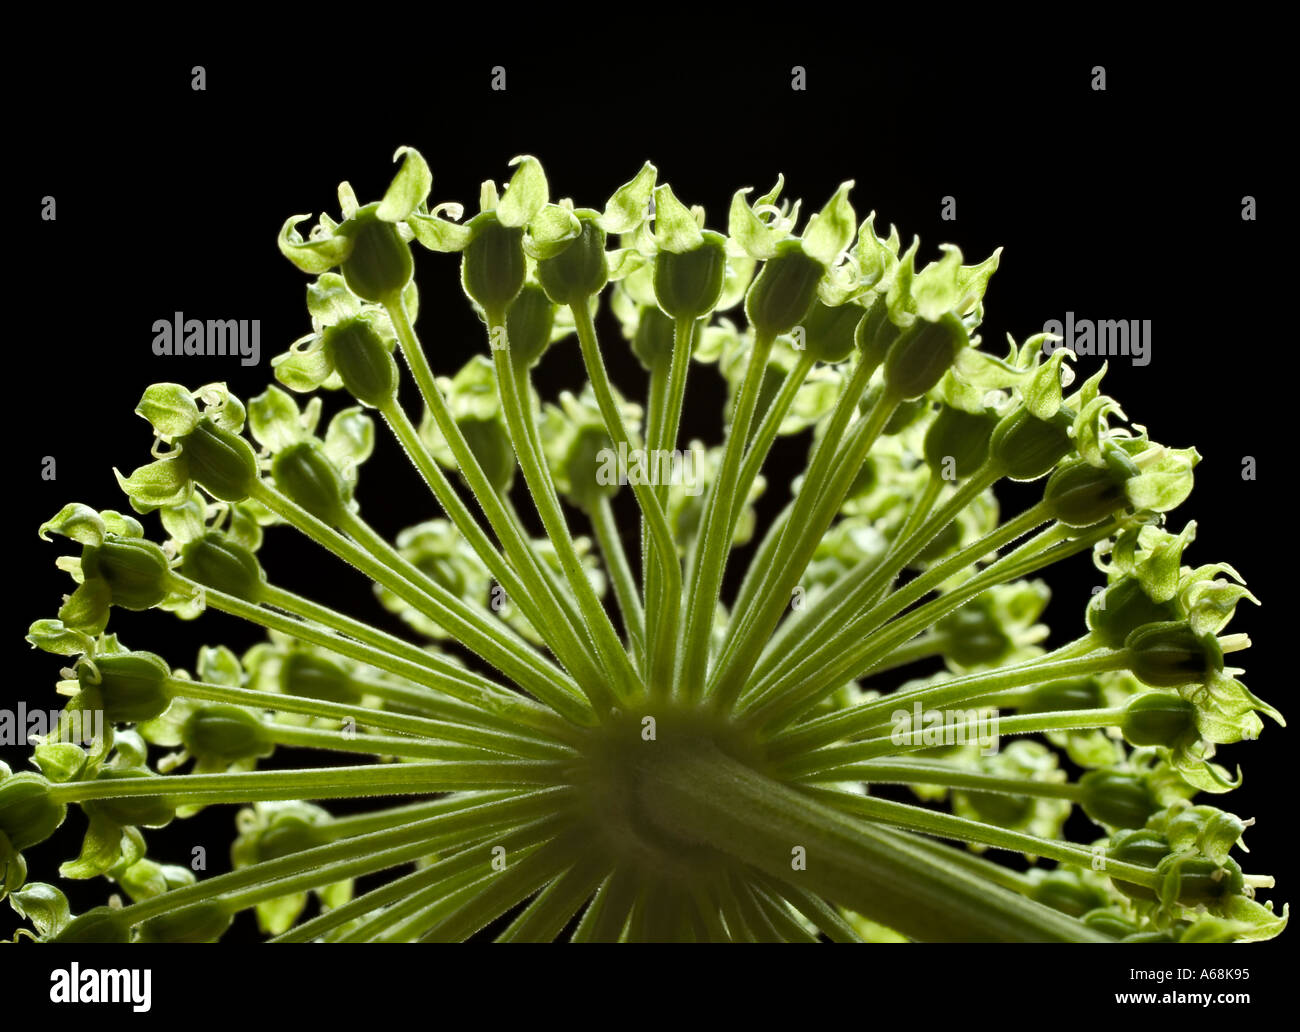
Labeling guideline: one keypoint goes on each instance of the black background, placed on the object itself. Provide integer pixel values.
(1122, 204)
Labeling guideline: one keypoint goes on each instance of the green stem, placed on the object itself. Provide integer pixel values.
(923, 772)
(620, 572)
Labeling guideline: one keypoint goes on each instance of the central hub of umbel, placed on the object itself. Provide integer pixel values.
(628, 763)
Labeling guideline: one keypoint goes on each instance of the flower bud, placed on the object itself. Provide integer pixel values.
(528, 326)
(27, 813)
(1158, 718)
(286, 835)
(922, 353)
(1168, 655)
(1026, 447)
(100, 925)
(583, 462)
(1108, 922)
(225, 734)
(216, 562)
(876, 333)
(1201, 880)
(1073, 694)
(140, 810)
(1141, 846)
(489, 440)
(1124, 607)
(312, 676)
(131, 686)
(904, 415)
(688, 284)
(1006, 811)
(962, 437)
(830, 332)
(1116, 799)
(306, 475)
(13, 868)
(222, 462)
(973, 636)
(492, 264)
(205, 921)
(784, 290)
(580, 270)
(364, 364)
(379, 265)
(653, 342)
(1080, 494)
(134, 569)
(1070, 895)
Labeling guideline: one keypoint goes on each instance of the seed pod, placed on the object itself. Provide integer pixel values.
(1158, 718)
(1069, 895)
(875, 333)
(1026, 447)
(1073, 694)
(27, 813)
(528, 326)
(220, 461)
(100, 925)
(489, 440)
(688, 284)
(287, 835)
(492, 265)
(1141, 846)
(304, 473)
(1202, 881)
(1006, 811)
(922, 353)
(149, 811)
(1115, 799)
(132, 686)
(1168, 655)
(1124, 607)
(1080, 495)
(379, 266)
(654, 338)
(225, 734)
(960, 436)
(1108, 922)
(205, 921)
(134, 569)
(580, 270)
(364, 364)
(216, 562)
(784, 290)
(904, 415)
(583, 463)
(311, 676)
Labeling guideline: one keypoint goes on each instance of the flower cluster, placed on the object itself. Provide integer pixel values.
(591, 741)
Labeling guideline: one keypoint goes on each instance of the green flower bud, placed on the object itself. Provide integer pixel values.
(876, 334)
(134, 569)
(27, 813)
(1026, 447)
(1080, 494)
(139, 810)
(304, 473)
(1158, 718)
(973, 636)
(580, 270)
(492, 264)
(131, 686)
(1201, 880)
(1108, 922)
(784, 290)
(904, 415)
(222, 462)
(1116, 799)
(225, 733)
(583, 463)
(215, 561)
(830, 332)
(1141, 846)
(1070, 895)
(944, 542)
(688, 284)
(1073, 694)
(288, 834)
(100, 925)
(13, 868)
(379, 265)
(311, 676)
(653, 342)
(1124, 607)
(528, 326)
(921, 355)
(962, 438)
(362, 360)
(205, 921)
(489, 440)
(1168, 655)
(1006, 811)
